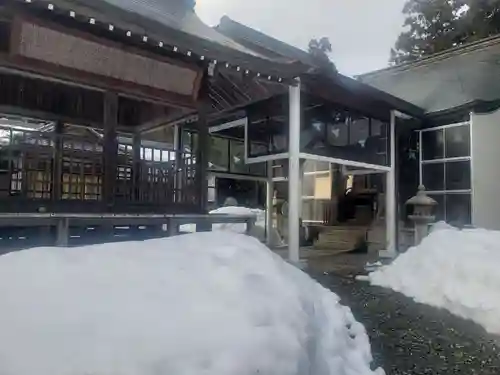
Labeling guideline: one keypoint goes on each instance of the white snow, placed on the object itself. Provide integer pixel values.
(458, 270)
(201, 303)
(259, 231)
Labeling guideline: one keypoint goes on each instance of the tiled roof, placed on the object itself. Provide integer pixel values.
(445, 81)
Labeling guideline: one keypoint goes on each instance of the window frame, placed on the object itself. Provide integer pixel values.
(444, 161)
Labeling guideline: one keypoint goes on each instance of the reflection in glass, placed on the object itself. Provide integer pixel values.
(458, 209)
(433, 176)
(349, 137)
(433, 144)
(337, 134)
(219, 154)
(359, 131)
(237, 157)
(457, 140)
(458, 176)
(439, 210)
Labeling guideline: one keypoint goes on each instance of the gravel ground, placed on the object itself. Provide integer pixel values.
(411, 338)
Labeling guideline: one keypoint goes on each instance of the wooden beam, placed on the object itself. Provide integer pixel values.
(41, 115)
(165, 122)
(26, 67)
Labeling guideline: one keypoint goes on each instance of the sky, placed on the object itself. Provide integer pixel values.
(362, 32)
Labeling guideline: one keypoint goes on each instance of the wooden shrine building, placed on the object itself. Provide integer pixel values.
(108, 109)
(83, 82)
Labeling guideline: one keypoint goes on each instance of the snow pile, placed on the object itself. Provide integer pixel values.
(453, 269)
(259, 231)
(194, 304)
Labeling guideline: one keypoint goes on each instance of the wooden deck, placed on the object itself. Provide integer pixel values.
(58, 228)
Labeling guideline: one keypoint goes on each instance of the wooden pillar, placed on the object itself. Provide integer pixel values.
(269, 204)
(57, 164)
(179, 163)
(137, 164)
(202, 154)
(62, 236)
(110, 151)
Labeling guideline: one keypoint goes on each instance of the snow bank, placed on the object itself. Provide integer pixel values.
(259, 231)
(194, 304)
(453, 269)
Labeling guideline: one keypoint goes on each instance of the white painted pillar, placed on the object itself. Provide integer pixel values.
(269, 203)
(294, 180)
(390, 194)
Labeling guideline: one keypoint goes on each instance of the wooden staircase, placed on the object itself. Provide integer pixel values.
(341, 239)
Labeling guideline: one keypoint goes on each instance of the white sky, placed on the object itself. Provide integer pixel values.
(361, 31)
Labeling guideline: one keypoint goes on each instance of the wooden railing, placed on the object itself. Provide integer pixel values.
(48, 172)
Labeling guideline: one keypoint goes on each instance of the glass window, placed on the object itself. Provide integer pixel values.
(258, 149)
(377, 128)
(309, 166)
(377, 143)
(257, 169)
(439, 211)
(308, 184)
(190, 141)
(337, 134)
(432, 144)
(458, 175)
(279, 143)
(219, 154)
(359, 131)
(237, 157)
(458, 209)
(433, 176)
(322, 166)
(457, 141)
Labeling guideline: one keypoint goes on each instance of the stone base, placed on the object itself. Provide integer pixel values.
(386, 254)
(301, 264)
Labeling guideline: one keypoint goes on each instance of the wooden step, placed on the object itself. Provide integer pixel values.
(340, 238)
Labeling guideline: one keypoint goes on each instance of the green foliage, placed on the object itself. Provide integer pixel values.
(319, 50)
(433, 26)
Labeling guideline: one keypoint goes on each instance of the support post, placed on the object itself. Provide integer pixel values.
(137, 173)
(173, 228)
(390, 193)
(57, 158)
(179, 161)
(269, 204)
(110, 148)
(202, 160)
(294, 180)
(62, 234)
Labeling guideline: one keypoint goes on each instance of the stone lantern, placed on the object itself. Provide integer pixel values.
(422, 216)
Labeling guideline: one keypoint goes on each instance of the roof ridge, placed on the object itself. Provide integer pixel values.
(227, 21)
(439, 56)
